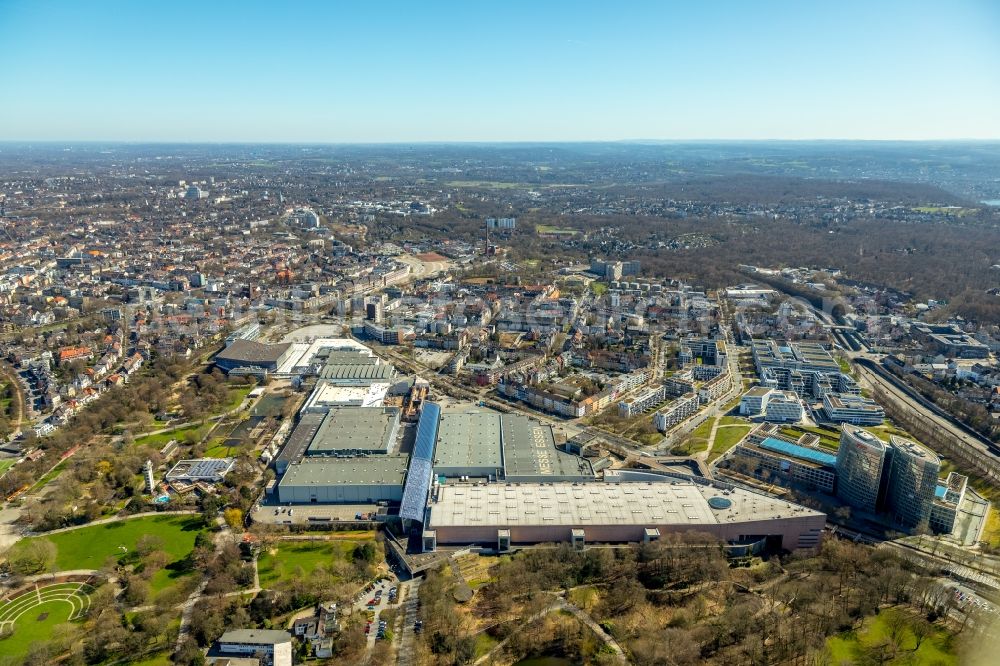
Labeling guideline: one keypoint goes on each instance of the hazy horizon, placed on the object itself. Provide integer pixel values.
(511, 142)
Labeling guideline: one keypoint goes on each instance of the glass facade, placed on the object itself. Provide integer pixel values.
(860, 464)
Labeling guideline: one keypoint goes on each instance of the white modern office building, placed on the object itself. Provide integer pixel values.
(274, 644)
(783, 407)
(853, 409)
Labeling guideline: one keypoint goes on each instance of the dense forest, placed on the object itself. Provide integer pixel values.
(950, 261)
(680, 602)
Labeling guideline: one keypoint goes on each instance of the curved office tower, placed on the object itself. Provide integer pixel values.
(913, 474)
(861, 463)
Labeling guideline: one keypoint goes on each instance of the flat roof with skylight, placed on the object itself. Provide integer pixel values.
(370, 470)
(530, 453)
(468, 444)
(355, 429)
(627, 503)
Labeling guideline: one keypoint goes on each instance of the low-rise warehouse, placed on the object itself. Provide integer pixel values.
(302, 435)
(468, 444)
(362, 480)
(342, 431)
(252, 357)
(490, 445)
(275, 645)
(309, 357)
(529, 513)
(355, 430)
(327, 395)
(530, 453)
(358, 374)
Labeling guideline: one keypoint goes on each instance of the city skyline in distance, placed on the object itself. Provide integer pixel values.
(448, 72)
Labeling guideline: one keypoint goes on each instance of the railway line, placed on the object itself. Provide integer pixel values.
(917, 402)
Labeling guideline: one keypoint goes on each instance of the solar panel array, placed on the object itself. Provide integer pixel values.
(789, 449)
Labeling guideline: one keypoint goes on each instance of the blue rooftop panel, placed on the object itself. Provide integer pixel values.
(418, 478)
(427, 429)
(418, 484)
(941, 491)
(796, 451)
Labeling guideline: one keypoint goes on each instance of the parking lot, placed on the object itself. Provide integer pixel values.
(313, 514)
(411, 607)
(375, 598)
(967, 600)
(432, 358)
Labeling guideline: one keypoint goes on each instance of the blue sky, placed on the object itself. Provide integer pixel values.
(384, 71)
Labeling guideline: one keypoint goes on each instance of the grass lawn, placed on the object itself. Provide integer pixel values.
(221, 451)
(350, 535)
(475, 569)
(850, 646)
(958, 211)
(216, 446)
(49, 476)
(236, 395)
(89, 547)
(726, 438)
(704, 430)
(492, 184)
(6, 464)
(731, 405)
(36, 625)
(648, 438)
(691, 446)
(162, 659)
(697, 441)
(822, 432)
(886, 429)
(584, 597)
(285, 559)
(991, 533)
(829, 439)
(484, 643)
(160, 439)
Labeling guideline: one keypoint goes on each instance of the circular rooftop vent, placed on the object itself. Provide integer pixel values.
(719, 502)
